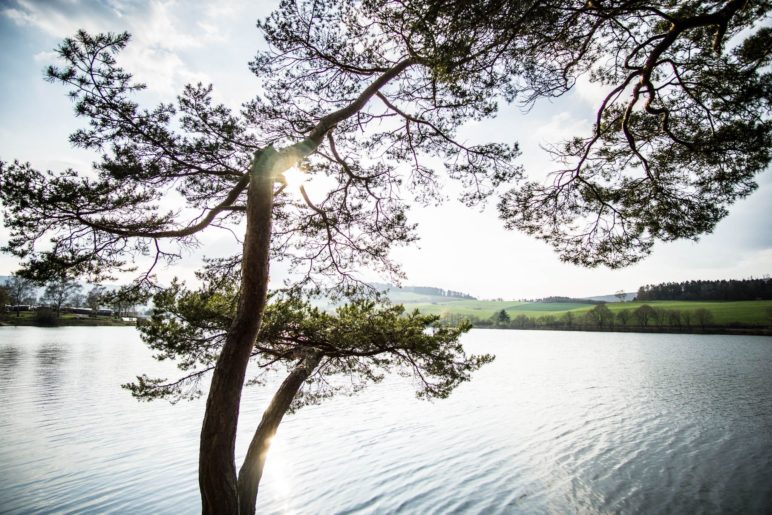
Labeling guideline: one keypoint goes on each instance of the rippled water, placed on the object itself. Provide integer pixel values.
(560, 422)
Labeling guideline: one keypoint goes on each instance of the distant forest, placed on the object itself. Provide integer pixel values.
(439, 292)
(561, 300)
(742, 289)
(423, 290)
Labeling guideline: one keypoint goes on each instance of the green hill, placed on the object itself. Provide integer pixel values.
(749, 312)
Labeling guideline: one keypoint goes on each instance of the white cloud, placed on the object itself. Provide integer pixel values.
(161, 28)
(593, 93)
(162, 70)
(558, 127)
(44, 57)
(161, 32)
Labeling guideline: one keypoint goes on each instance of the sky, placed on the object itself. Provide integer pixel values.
(462, 249)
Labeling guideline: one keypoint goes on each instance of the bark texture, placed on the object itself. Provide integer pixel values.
(216, 466)
(252, 469)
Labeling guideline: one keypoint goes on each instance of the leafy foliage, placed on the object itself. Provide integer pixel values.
(680, 135)
(98, 223)
(361, 341)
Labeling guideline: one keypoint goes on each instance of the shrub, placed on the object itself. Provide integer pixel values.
(46, 318)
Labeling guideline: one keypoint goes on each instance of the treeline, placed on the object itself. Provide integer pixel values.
(423, 290)
(60, 295)
(740, 289)
(437, 292)
(600, 317)
(556, 300)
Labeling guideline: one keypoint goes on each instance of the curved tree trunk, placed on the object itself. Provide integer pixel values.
(252, 469)
(216, 460)
(216, 464)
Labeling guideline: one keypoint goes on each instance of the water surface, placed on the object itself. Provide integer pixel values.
(560, 422)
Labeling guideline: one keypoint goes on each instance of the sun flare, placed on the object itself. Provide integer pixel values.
(295, 178)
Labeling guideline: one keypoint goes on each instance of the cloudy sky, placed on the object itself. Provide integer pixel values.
(180, 42)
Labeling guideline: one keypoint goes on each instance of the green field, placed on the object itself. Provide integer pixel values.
(750, 312)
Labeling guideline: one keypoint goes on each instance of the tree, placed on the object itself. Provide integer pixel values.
(19, 289)
(219, 164)
(95, 298)
(501, 318)
(643, 314)
(345, 80)
(522, 322)
(361, 341)
(686, 318)
(621, 295)
(59, 291)
(703, 316)
(673, 317)
(601, 316)
(121, 305)
(547, 320)
(624, 316)
(659, 315)
(568, 318)
(77, 300)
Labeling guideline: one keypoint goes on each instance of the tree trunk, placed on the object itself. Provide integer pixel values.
(216, 461)
(252, 469)
(216, 465)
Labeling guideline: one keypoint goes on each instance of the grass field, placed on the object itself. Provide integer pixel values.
(751, 312)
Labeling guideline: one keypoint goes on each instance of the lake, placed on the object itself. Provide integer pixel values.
(561, 422)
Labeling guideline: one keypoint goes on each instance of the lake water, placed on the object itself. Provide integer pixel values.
(561, 422)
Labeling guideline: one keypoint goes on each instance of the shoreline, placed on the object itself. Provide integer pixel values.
(715, 330)
(67, 322)
(720, 330)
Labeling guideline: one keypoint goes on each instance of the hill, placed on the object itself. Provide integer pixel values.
(420, 294)
(630, 295)
(753, 313)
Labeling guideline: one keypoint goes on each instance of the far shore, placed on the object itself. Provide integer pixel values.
(726, 330)
(11, 320)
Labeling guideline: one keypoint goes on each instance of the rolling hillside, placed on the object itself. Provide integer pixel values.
(751, 312)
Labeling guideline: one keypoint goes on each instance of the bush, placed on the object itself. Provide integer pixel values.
(45, 318)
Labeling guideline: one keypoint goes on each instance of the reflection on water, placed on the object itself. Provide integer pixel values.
(9, 364)
(50, 364)
(560, 422)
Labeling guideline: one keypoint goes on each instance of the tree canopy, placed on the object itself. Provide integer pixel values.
(378, 88)
(680, 135)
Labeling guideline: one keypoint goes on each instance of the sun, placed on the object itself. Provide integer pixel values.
(295, 178)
